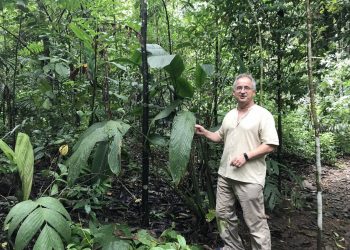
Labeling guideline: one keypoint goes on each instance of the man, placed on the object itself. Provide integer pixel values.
(249, 134)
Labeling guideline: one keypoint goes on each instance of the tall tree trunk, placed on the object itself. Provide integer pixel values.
(14, 84)
(106, 99)
(168, 26)
(94, 79)
(216, 82)
(145, 114)
(261, 53)
(279, 101)
(312, 91)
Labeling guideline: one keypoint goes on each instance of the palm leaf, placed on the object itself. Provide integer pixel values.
(24, 158)
(57, 221)
(18, 213)
(47, 216)
(98, 132)
(53, 204)
(48, 239)
(28, 229)
(180, 144)
(7, 151)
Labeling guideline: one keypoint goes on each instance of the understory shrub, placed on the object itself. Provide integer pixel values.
(298, 139)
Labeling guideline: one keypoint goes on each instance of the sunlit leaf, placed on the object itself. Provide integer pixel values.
(156, 50)
(24, 158)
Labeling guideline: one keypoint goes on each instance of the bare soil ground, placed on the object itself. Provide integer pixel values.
(297, 229)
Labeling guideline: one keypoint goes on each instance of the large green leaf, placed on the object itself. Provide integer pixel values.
(176, 67)
(98, 132)
(53, 204)
(167, 111)
(24, 158)
(156, 50)
(159, 62)
(81, 34)
(62, 69)
(18, 213)
(28, 229)
(57, 221)
(183, 88)
(99, 167)
(145, 238)
(202, 72)
(180, 144)
(45, 217)
(7, 151)
(114, 156)
(48, 239)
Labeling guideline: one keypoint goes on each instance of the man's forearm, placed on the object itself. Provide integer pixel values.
(261, 150)
(213, 136)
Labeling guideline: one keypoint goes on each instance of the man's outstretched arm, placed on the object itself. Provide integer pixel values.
(213, 136)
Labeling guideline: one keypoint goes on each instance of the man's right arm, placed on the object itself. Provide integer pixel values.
(213, 136)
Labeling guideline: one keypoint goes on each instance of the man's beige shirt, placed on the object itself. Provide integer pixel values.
(256, 127)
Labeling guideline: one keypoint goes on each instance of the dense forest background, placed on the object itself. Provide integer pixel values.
(87, 123)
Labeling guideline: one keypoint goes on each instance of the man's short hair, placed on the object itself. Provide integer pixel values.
(242, 76)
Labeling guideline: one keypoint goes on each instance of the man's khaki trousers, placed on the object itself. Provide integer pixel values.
(251, 198)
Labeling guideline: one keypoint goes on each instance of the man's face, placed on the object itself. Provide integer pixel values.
(243, 91)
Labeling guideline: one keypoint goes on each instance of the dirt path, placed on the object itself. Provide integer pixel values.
(297, 229)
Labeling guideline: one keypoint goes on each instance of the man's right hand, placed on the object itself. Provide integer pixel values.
(199, 130)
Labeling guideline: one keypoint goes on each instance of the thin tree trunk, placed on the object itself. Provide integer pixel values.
(13, 104)
(216, 81)
(312, 91)
(145, 115)
(106, 99)
(261, 53)
(168, 25)
(279, 104)
(94, 80)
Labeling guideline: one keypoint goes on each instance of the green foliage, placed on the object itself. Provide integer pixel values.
(174, 66)
(98, 132)
(45, 215)
(298, 138)
(166, 112)
(23, 158)
(271, 193)
(88, 198)
(202, 72)
(119, 236)
(289, 189)
(180, 144)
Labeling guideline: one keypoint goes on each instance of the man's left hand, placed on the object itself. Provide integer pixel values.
(238, 161)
